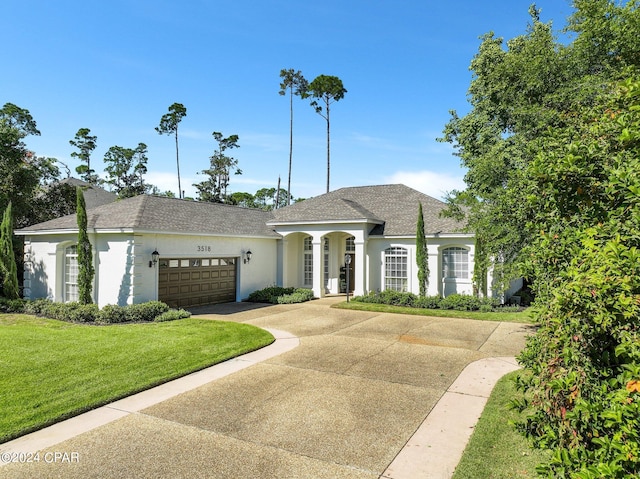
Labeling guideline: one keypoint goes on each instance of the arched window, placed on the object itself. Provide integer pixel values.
(455, 263)
(71, 273)
(395, 269)
(308, 261)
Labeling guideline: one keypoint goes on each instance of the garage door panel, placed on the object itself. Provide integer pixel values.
(197, 281)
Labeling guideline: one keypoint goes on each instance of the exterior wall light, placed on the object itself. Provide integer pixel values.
(247, 256)
(154, 258)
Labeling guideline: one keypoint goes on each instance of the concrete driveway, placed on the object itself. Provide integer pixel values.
(343, 404)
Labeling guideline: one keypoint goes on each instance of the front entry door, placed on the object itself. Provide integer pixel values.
(352, 272)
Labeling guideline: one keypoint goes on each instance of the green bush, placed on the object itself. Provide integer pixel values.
(172, 315)
(36, 306)
(12, 305)
(112, 314)
(280, 295)
(300, 295)
(461, 302)
(144, 312)
(428, 302)
(269, 294)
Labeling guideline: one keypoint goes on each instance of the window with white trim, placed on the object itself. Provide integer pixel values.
(326, 262)
(308, 261)
(395, 269)
(71, 274)
(455, 263)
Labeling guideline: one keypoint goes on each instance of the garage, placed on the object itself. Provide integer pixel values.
(187, 282)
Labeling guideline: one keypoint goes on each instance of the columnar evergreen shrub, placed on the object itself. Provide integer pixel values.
(85, 252)
(8, 267)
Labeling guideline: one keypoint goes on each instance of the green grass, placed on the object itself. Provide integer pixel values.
(496, 450)
(514, 317)
(51, 370)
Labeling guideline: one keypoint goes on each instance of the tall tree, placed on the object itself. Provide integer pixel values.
(169, 126)
(22, 173)
(125, 169)
(85, 252)
(85, 143)
(422, 254)
(214, 188)
(9, 271)
(296, 84)
(327, 90)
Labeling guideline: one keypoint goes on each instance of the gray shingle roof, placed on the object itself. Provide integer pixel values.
(93, 195)
(394, 205)
(170, 215)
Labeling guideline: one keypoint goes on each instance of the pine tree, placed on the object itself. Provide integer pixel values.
(422, 255)
(85, 252)
(7, 256)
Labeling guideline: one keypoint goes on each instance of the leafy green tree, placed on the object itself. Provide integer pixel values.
(585, 358)
(422, 254)
(85, 252)
(8, 266)
(22, 173)
(125, 169)
(243, 199)
(85, 143)
(296, 84)
(269, 198)
(169, 126)
(326, 90)
(214, 188)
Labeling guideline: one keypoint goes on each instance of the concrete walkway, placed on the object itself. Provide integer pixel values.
(340, 394)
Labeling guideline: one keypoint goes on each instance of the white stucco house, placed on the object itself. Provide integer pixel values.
(208, 253)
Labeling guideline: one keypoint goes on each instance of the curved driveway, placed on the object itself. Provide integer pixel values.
(343, 404)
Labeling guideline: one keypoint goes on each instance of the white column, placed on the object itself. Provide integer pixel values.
(284, 263)
(360, 272)
(318, 270)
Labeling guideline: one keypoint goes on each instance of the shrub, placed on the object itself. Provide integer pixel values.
(461, 302)
(372, 297)
(397, 298)
(12, 305)
(300, 295)
(428, 302)
(172, 315)
(144, 312)
(82, 313)
(36, 306)
(112, 314)
(269, 294)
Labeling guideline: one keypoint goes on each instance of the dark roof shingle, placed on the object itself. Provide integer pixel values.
(395, 206)
(170, 215)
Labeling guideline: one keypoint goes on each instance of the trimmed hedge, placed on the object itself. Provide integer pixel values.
(458, 302)
(280, 295)
(90, 313)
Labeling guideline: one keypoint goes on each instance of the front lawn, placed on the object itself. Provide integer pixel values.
(496, 450)
(51, 370)
(511, 316)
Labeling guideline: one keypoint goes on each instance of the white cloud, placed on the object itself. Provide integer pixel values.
(428, 182)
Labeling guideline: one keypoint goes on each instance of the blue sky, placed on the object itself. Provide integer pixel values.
(116, 66)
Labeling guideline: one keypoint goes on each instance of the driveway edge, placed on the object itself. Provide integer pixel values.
(435, 449)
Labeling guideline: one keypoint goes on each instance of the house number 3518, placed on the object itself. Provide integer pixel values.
(202, 248)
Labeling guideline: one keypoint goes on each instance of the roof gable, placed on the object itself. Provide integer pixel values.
(392, 208)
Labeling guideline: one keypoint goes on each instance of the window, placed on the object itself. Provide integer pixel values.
(326, 263)
(308, 261)
(455, 263)
(71, 274)
(350, 245)
(395, 269)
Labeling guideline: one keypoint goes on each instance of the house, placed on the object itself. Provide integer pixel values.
(208, 253)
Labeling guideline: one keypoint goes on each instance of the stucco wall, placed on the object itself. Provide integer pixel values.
(437, 286)
(123, 275)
